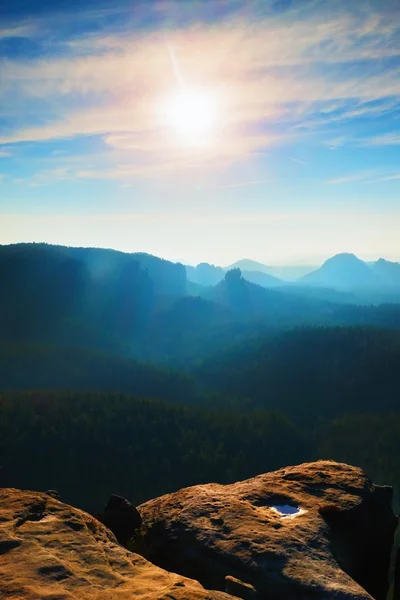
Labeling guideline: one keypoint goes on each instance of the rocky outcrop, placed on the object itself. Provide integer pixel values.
(51, 551)
(320, 530)
(317, 531)
(53, 494)
(395, 575)
(238, 588)
(122, 518)
(396, 583)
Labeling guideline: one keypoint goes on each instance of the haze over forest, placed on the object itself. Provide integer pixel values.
(200, 261)
(306, 360)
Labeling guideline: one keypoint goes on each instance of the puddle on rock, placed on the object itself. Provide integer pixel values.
(287, 510)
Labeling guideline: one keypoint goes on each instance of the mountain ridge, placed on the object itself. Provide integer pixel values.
(343, 271)
(346, 271)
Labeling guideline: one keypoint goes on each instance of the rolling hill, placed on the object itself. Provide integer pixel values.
(343, 271)
(283, 272)
(388, 272)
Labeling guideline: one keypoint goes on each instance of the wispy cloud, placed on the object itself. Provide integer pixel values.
(246, 183)
(297, 160)
(336, 143)
(387, 139)
(367, 106)
(384, 140)
(23, 30)
(293, 70)
(371, 176)
(49, 176)
(394, 177)
(353, 177)
(163, 160)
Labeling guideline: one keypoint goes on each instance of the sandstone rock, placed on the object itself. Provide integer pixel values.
(51, 551)
(330, 535)
(396, 583)
(54, 494)
(122, 518)
(238, 588)
(396, 567)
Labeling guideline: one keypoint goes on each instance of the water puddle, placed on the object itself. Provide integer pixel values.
(287, 510)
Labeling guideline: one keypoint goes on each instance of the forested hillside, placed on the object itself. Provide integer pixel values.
(81, 296)
(118, 376)
(25, 367)
(143, 306)
(311, 373)
(87, 445)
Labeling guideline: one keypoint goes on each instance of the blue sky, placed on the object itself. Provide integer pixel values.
(302, 160)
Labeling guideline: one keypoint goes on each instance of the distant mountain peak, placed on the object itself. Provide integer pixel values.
(343, 271)
(344, 256)
(388, 271)
(384, 261)
(247, 264)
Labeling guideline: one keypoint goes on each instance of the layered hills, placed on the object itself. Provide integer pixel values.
(343, 273)
(127, 374)
(140, 305)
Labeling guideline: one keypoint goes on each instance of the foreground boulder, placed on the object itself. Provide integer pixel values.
(395, 592)
(49, 550)
(320, 530)
(238, 588)
(396, 582)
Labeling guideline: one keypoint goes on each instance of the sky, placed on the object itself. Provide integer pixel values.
(203, 130)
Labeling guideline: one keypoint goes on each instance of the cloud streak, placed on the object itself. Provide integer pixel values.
(246, 183)
(395, 177)
(387, 139)
(274, 76)
(371, 176)
(353, 177)
(297, 160)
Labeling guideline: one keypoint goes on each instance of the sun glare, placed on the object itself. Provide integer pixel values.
(192, 113)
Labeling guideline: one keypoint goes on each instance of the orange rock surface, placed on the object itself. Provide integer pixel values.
(337, 546)
(51, 551)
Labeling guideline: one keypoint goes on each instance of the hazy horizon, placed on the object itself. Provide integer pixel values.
(318, 261)
(202, 131)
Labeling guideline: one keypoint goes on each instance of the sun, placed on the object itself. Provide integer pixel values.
(192, 113)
